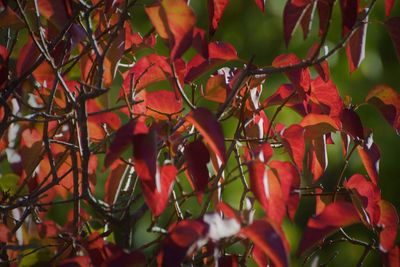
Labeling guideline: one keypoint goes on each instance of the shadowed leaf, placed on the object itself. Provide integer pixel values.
(268, 240)
(387, 101)
(208, 126)
(334, 216)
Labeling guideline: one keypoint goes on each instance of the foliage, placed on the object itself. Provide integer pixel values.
(107, 127)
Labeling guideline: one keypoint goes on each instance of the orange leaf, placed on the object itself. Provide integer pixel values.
(174, 20)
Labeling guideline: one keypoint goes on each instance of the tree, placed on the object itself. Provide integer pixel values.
(108, 133)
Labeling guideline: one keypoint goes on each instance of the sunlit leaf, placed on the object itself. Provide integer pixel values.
(293, 140)
(389, 221)
(216, 9)
(369, 196)
(300, 77)
(316, 125)
(156, 192)
(216, 89)
(174, 20)
(370, 156)
(163, 104)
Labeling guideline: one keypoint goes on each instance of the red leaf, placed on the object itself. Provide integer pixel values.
(216, 89)
(316, 125)
(163, 104)
(370, 157)
(145, 155)
(110, 118)
(259, 257)
(262, 152)
(55, 12)
(325, 97)
(388, 7)
(222, 51)
(197, 157)
(349, 9)
(289, 179)
(216, 9)
(266, 188)
(389, 221)
(200, 42)
(324, 8)
(299, 77)
(259, 182)
(281, 96)
(392, 258)
(219, 53)
(369, 195)
(260, 4)
(174, 20)
(268, 240)
(4, 233)
(306, 20)
(208, 126)
(147, 70)
(293, 140)
(355, 48)
(318, 157)
(181, 237)
(26, 58)
(387, 100)
(156, 192)
(4, 55)
(293, 13)
(122, 140)
(393, 27)
(334, 216)
(352, 124)
(228, 261)
(228, 211)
